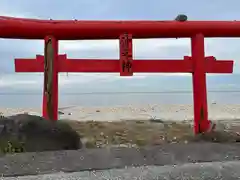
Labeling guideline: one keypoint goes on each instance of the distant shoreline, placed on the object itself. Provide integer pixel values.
(165, 112)
(133, 92)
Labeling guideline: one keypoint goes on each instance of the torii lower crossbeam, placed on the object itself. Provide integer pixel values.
(112, 65)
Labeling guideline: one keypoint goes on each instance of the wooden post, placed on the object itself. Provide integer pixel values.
(50, 91)
(201, 123)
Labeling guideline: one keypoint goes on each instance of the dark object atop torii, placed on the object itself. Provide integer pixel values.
(181, 18)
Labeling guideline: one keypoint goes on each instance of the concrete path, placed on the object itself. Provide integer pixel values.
(201, 171)
(120, 158)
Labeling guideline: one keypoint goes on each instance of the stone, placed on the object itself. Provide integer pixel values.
(156, 119)
(181, 18)
(60, 112)
(218, 137)
(35, 134)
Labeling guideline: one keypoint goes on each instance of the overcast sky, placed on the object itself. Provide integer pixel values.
(113, 10)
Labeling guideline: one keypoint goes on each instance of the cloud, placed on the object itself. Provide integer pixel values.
(142, 46)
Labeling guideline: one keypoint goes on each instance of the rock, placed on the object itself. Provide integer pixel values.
(60, 112)
(181, 18)
(156, 120)
(33, 113)
(218, 137)
(213, 102)
(34, 133)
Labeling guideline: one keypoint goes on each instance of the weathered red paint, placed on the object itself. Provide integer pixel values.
(112, 65)
(54, 97)
(125, 31)
(201, 121)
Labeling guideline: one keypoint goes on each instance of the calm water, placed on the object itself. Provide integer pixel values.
(222, 89)
(102, 99)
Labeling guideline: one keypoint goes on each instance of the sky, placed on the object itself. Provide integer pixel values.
(112, 10)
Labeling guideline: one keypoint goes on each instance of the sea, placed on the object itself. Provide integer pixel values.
(158, 89)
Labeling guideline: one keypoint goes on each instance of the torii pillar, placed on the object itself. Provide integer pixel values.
(50, 89)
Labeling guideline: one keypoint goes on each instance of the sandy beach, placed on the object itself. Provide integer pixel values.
(170, 112)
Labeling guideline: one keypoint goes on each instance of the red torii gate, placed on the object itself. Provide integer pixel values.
(51, 63)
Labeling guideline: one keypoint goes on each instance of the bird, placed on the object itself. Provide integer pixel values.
(181, 18)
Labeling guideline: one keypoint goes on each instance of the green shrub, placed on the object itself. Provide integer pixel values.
(12, 146)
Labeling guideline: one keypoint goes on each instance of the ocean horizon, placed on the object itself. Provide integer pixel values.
(24, 91)
(116, 99)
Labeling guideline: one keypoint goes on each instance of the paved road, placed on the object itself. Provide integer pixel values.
(200, 171)
(102, 159)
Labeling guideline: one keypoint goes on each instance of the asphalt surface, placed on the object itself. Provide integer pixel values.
(170, 161)
(200, 171)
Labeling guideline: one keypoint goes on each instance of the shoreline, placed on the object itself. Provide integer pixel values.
(165, 112)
